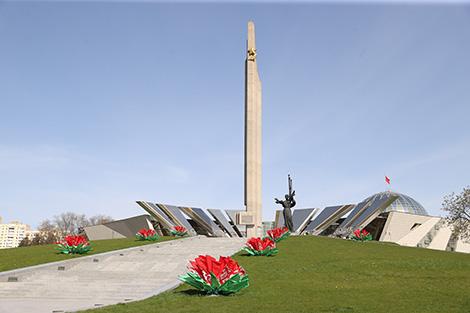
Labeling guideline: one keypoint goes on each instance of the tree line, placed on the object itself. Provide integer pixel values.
(68, 223)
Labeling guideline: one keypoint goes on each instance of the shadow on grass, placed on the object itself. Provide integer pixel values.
(192, 292)
(336, 309)
(256, 256)
(197, 293)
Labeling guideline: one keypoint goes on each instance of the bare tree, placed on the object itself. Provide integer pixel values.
(458, 217)
(67, 223)
(38, 239)
(48, 233)
(47, 226)
(50, 238)
(25, 242)
(99, 219)
(70, 223)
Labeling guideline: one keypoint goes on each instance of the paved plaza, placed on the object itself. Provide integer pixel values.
(108, 278)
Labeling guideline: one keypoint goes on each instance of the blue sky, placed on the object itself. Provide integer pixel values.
(105, 103)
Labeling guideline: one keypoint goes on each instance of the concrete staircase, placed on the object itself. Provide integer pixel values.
(108, 278)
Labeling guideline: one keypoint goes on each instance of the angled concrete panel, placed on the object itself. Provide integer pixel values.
(198, 216)
(367, 210)
(399, 224)
(301, 217)
(378, 205)
(232, 216)
(441, 238)
(356, 211)
(219, 217)
(125, 228)
(128, 227)
(416, 235)
(101, 232)
(175, 214)
(157, 213)
(327, 217)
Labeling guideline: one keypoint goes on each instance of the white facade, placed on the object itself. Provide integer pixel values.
(414, 230)
(11, 234)
(400, 224)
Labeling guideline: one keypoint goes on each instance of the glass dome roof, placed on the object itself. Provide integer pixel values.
(404, 204)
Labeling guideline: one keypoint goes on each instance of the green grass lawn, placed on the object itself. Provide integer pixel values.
(26, 256)
(315, 274)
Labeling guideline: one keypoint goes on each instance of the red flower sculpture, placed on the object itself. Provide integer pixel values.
(76, 240)
(179, 231)
(278, 234)
(223, 276)
(363, 235)
(147, 234)
(73, 244)
(257, 246)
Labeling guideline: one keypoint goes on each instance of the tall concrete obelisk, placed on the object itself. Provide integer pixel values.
(252, 138)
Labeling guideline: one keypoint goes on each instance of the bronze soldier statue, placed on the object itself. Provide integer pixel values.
(287, 204)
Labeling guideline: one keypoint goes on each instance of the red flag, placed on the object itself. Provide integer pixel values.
(387, 180)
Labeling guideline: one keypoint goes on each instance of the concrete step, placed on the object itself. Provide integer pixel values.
(119, 276)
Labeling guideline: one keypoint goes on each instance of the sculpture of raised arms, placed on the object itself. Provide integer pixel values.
(287, 204)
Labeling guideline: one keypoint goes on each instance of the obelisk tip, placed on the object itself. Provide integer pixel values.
(251, 35)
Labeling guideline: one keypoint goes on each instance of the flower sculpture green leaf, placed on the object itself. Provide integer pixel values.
(261, 247)
(73, 245)
(278, 234)
(179, 231)
(218, 277)
(147, 234)
(363, 235)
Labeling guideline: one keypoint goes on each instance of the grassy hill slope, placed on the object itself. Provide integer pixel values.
(315, 274)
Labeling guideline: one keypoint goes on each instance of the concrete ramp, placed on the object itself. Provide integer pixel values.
(108, 278)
